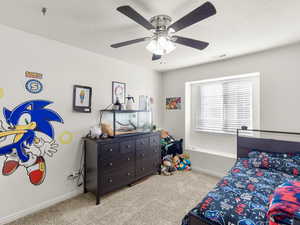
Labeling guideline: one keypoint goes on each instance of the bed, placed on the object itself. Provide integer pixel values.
(243, 195)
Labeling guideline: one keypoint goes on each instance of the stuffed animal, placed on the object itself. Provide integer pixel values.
(182, 162)
(167, 167)
(164, 134)
(107, 129)
(176, 161)
(185, 164)
(95, 132)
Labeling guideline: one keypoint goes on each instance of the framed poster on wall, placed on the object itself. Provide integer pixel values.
(173, 103)
(118, 92)
(82, 98)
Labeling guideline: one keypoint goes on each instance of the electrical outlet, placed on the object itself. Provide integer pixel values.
(75, 174)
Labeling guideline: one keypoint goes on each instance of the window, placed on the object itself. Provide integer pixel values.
(225, 105)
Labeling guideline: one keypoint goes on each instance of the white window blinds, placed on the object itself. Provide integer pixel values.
(224, 106)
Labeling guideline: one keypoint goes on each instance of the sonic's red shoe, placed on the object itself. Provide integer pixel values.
(9, 166)
(37, 172)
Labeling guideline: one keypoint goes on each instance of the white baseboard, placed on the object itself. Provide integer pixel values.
(43, 205)
(208, 172)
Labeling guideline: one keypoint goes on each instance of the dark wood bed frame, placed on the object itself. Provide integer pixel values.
(248, 143)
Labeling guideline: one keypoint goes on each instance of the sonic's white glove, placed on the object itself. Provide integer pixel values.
(46, 147)
(2, 129)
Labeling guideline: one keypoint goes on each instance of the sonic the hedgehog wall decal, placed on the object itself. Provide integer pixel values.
(34, 86)
(33, 75)
(33, 138)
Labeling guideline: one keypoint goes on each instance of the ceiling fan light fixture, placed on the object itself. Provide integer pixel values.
(161, 46)
(163, 40)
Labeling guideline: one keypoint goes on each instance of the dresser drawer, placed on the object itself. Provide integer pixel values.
(147, 166)
(117, 150)
(115, 180)
(125, 162)
(142, 144)
(150, 152)
(127, 147)
(142, 155)
(147, 160)
(109, 150)
(155, 150)
(154, 140)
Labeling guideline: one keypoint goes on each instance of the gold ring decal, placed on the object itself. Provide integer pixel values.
(1, 92)
(65, 137)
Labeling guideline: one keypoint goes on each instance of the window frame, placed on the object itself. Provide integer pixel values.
(255, 98)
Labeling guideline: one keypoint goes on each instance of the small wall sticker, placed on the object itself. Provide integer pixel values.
(33, 75)
(65, 137)
(34, 86)
(33, 139)
(1, 93)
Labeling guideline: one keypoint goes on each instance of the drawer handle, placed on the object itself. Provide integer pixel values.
(110, 164)
(143, 169)
(155, 150)
(143, 155)
(128, 146)
(128, 174)
(128, 159)
(110, 180)
(110, 149)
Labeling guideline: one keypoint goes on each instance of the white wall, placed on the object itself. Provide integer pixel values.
(62, 66)
(279, 108)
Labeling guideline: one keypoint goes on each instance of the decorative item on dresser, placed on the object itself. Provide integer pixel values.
(125, 122)
(116, 162)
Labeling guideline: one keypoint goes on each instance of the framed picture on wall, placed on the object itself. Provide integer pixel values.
(118, 92)
(173, 103)
(82, 98)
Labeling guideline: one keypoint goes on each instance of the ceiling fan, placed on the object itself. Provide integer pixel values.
(162, 40)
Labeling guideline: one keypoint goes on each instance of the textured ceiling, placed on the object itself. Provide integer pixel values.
(240, 26)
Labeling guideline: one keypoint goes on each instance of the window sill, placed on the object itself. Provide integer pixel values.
(245, 134)
(214, 132)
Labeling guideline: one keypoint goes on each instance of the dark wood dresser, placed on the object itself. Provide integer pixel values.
(117, 162)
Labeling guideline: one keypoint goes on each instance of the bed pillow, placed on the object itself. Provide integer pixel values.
(286, 165)
(289, 157)
(260, 154)
(263, 163)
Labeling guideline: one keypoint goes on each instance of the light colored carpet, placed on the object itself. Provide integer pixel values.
(158, 200)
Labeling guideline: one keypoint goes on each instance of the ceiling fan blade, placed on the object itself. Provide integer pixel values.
(204, 11)
(125, 43)
(156, 57)
(135, 16)
(200, 45)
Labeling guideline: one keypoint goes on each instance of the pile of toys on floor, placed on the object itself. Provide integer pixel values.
(173, 158)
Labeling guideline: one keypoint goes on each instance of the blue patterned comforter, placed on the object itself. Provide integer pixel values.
(241, 197)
